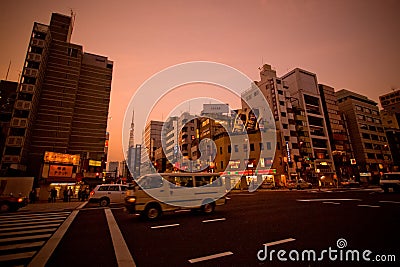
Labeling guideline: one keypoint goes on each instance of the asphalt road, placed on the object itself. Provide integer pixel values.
(236, 233)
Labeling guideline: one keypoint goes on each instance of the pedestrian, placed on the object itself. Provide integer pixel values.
(70, 194)
(32, 196)
(65, 193)
(53, 195)
(87, 193)
(80, 194)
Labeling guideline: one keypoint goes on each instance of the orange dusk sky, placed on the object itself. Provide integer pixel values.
(350, 44)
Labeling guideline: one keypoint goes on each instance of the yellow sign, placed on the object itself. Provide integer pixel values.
(61, 158)
(96, 163)
(60, 171)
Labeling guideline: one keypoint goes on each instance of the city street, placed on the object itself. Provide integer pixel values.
(365, 219)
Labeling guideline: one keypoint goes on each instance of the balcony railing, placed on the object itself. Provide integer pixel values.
(34, 57)
(30, 72)
(15, 141)
(27, 88)
(10, 159)
(19, 122)
(22, 104)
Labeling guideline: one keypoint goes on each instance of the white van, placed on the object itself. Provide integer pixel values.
(390, 180)
(161, 192)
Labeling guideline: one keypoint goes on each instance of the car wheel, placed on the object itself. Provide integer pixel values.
(208, 208)
(104, 202)
(152, 212)
(5, 207)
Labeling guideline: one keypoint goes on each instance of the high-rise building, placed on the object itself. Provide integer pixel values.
(337, 131)
(279, 99)
(152, 137)
(8, 94)
(62, 101)
(313, 133)
(366, 132)
(391, 101)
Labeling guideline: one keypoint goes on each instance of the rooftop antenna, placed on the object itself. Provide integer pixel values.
(8, 70)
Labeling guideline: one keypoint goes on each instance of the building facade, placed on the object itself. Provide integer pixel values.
(306, 99)
(61, 106)
(366, 132)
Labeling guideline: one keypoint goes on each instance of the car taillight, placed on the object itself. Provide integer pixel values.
(20, 199)
(92, 193)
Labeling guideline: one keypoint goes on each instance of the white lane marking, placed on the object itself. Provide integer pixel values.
(124, 257)
(214, 220)
(327, 199)
(330, 202)
(17, 256)
(47, 250)
(210, 257)
(28, 223)
(369, 206)
(164, 226)
(28, 232)
(22, 238)
(389, 201)
(279, 242)
(82, 205)
(23, 245)
(29, 227)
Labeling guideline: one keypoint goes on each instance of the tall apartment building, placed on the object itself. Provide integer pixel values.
(390, 116)
(391, 101)
(278, 97)
(366, 132)
(313, 135)
(337, 131)
(62, 102)
(8, 94)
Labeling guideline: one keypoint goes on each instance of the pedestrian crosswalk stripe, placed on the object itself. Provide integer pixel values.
(28, 232)
(21, 238)
(27, 223)
(30, 215)
(33, 220)
(29, 227)
(17, 256)
(22, 246)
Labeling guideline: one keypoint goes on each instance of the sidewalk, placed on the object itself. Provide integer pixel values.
(43, 206)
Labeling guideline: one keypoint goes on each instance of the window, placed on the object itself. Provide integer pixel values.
(374, 112)
(374, 137)
(229, 148)
(151, 182)
(369, 119)
(368, 145)
(251, 147)
(280, 92)
(103, 188)
(283, 114)
(366, 136)
(268, 145)
(371, 155)
(364, 126)
(282, 103)
(378, 121)
(285, 126)
(261, 146)
(367, 110)
(360, 117)
(222, 164)
(220, 150)
(358, 108)
(372, 128)
(236, 148)
(245, 147)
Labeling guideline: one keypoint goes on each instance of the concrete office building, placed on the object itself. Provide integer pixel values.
(337, 130)
(391, 101)
(303, 88)
(152, 138)
(62, 102)
(278, 97)
(366, 132)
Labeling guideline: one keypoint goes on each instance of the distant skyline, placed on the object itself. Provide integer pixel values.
(349, 44)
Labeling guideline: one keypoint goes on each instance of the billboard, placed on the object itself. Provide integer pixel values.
(60, 171)
(215, 108)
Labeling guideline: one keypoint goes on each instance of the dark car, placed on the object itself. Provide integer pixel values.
(12, 203)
